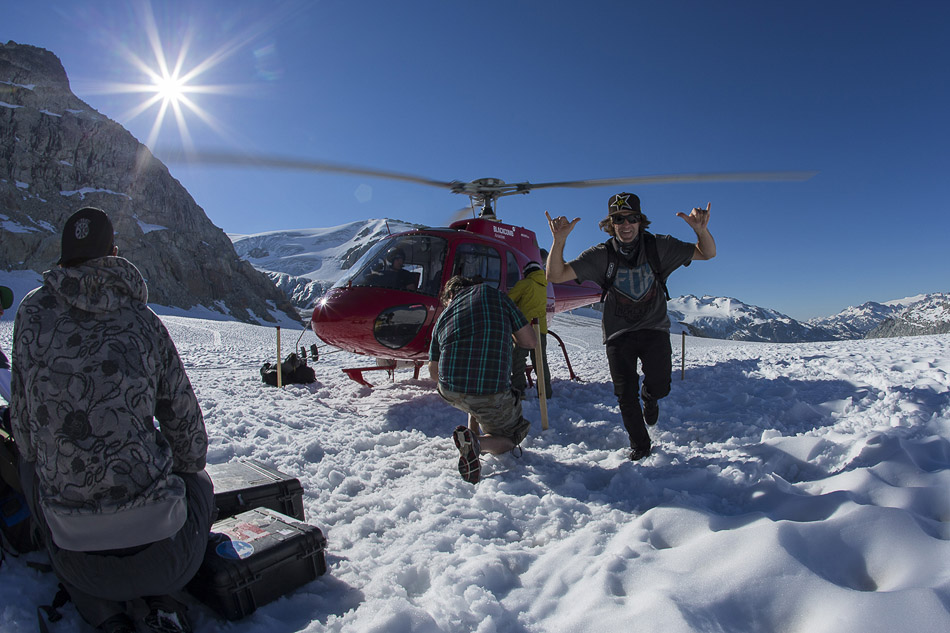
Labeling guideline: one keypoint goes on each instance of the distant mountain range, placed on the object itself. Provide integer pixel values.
(305, 263)
(726, 318)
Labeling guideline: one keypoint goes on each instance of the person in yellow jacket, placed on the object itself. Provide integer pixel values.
(531, 296)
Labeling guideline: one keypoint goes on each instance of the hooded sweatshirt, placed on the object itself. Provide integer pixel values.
(531, 296)
(93, 369)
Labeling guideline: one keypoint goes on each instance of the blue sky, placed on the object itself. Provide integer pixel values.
(547, 91)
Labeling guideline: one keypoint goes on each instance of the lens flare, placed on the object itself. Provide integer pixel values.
(171, 79)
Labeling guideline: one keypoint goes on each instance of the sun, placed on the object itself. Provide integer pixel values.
(175, 79)
(170, 88)
(171, 81)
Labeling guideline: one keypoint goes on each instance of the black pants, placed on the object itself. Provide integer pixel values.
(519, 362)
(652, 349)
(102, 585)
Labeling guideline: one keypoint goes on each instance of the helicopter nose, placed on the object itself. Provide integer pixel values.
(365, 321)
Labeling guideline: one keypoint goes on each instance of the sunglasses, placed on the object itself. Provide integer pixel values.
(620, 219)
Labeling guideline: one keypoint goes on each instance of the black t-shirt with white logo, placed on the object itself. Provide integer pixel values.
(635, 300)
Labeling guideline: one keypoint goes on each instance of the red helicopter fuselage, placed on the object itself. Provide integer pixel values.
(386, 308)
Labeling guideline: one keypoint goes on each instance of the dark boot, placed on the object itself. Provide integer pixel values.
(119, 623)
(166, 615)
(651, 408)
(639, 452)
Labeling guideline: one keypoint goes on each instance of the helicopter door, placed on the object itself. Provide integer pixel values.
(479, 262)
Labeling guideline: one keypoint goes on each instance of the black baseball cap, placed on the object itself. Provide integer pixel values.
(87, 234)
(623, 203)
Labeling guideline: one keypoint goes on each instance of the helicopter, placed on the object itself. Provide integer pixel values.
(386, 305)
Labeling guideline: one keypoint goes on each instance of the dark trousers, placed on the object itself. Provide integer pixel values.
(102, 585)
(652, 349)
(519, 362)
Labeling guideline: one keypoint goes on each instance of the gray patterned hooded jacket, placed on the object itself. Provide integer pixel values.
(93, 368)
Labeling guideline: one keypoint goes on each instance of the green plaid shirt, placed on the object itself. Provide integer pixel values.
(472, 341)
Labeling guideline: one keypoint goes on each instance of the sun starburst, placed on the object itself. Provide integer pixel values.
(170, 88)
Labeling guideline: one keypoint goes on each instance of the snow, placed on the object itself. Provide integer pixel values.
(16, 85)
(317, 254)
(148, 228)
(906, 301)
(82, 192)
(13, 227)
(794, 487)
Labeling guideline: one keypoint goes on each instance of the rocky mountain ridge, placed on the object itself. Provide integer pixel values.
(58, 154)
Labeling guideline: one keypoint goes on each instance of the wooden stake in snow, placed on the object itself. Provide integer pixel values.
(539, 374)
(683, 358)
(279, 368)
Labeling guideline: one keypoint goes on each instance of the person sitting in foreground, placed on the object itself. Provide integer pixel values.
(126, 508)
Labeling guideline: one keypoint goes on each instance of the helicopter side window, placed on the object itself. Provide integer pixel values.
(478, 262)
(410, 262)
(513, 274)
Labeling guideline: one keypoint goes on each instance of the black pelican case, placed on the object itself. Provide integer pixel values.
(246, 484)
(256, 557)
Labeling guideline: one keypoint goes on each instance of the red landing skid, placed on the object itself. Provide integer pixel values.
(356, 373)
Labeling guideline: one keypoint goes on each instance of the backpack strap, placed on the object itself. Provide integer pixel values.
(653, 258)
(613, 259)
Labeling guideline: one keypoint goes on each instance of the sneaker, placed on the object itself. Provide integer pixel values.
(469, 465)
(166, 615)
(119, 623)
(637, 453)
(651, 411)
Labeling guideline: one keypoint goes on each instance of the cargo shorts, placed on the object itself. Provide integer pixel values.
(497, 413)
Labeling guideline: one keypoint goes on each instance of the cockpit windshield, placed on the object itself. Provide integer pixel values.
(402, 262)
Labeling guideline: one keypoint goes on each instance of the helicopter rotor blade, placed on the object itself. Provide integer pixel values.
(299, 164)
(489, 188)
(462, 214)
(738, 176)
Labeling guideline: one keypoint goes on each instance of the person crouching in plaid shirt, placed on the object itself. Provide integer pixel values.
(470, 358)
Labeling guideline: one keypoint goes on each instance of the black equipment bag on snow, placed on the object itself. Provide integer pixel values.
(293, 370)
(256, 557)
(246, 484)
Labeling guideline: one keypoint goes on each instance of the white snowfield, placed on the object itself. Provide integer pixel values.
(794, 488)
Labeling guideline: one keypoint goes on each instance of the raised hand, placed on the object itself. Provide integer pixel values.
(698, 218)
(560, 226)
